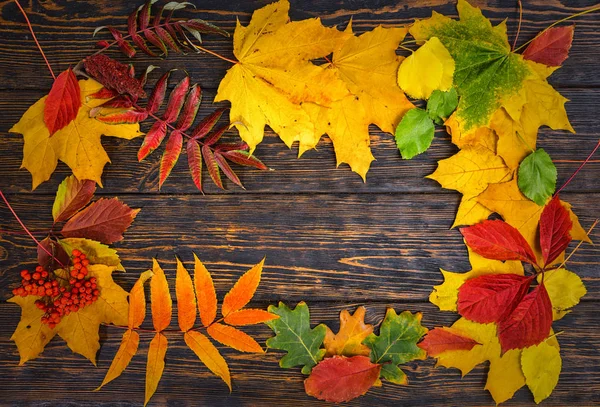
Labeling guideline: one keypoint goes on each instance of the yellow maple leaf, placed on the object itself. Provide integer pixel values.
(348, 340)
(470, 212)
(274, 75)
(429, 68)
(77, 144)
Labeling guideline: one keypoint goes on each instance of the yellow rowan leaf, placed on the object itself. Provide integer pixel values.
(243, 290)
(161, 302)
(234, 338)
(127, 349)
(31, 335)
(249, 317)
(77, 144)
(205, 293)
(186, 300)
(565, 289)
(272, 78)
(208, 354)
(470, 171)
(429, 68)
(155, 364)
(541, 366)
(137, 301)
(348, 340)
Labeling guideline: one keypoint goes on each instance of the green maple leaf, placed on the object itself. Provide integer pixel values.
(537, 176)
(294, 335)
(486, 69)
(396, 343)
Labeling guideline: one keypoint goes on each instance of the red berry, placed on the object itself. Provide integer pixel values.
(80, 276)
(24, 273)
(76, 253)
(44, 274)
(76, 260)
(36, 276)
(39, 268)
(85, 262)
(77, 266)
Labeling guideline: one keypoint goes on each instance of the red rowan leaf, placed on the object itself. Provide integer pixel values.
(176, 99)
(167, 38)
(212, 166)
(144, 15)
(170, 156)
(153, 138)
(491, 297)
(104, 220)
(497, 240)
(340, 379)
(552, 47)
(144, 77)
(207, 124)
(190, 108)
(127, 116)
(215, 136)
(440, 340)
(224, 147)
(71, 196)
(132, 28)
(123, 102)
(244, 158)
(155, 40)
(123, 44)
(203, 27)
(113, 75)
(530, 322)
(229, 173)
(63, 102)
(57, 251)
(555, 230)
(157, 97)
(104, 93)
(194, 156)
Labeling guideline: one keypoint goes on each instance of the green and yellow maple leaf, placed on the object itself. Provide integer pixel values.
(77, 144)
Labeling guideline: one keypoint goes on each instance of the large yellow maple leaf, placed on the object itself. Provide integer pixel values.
(78, 144)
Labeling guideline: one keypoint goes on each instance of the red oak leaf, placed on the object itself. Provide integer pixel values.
(552, 47)
(340, 379)
(497, 240)
(492, 297)
(555, 230)
(104, 220)
(530, 322)
(63, 102)
(440, 340)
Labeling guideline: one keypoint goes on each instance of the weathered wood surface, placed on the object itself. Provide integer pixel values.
(329, 238)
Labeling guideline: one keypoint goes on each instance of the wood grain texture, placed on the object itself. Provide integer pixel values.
(329, 238)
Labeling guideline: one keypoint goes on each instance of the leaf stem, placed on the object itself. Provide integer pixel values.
(35, 39)
(578, 245)
(519, 27)
(196, 328)
(27, 230)
(405, 48)
(581, 13)
(579, 169)
(524, 142)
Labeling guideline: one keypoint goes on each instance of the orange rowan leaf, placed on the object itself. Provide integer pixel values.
(208, 354)
(162, 305)
(234, 338)
(243, 290)
(156, 363)
(348, 340)
(128, 348)
(137, 300)
(249, 317)
(205, 293)
(186, 300)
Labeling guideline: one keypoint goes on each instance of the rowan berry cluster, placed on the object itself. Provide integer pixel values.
(59, 300)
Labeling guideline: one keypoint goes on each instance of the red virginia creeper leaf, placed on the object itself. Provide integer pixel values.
(440, 340)
(113, 75)
(207, 124)
(555, 230)
(339, 379)
(127, 116)
(153, 138)
(157, 97)
(229, 173)
(497, 240)
(194, 156)
(176, 99)
(243, 158)
(552, 47)
(190, 108)
(104, 220)
(72, 195)
(170, 156)
(63, 102)
(529, 324)
(491, 297)
(212, 166)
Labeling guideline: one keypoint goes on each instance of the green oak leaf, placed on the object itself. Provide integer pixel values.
(396, 343)
(441, 105)
(294, 335)
(415, 133)
(537, 176)
(487, 72)
(96, 252)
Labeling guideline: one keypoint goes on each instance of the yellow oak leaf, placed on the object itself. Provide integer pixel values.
(77, 144)
(274, 75)
(565, 289)
(541, 366)
(470, 171)
(348, 340)
(429, 68)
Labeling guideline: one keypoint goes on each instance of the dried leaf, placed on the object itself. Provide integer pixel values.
(348, 340)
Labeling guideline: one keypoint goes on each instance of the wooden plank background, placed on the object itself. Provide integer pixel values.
(329, 238)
